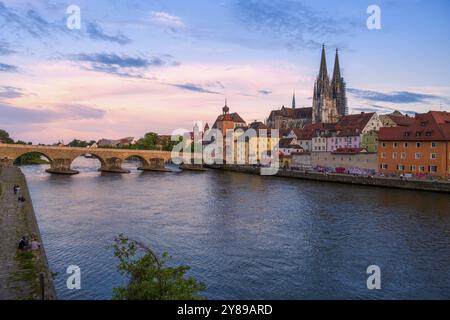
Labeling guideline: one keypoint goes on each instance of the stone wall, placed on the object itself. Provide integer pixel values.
(422, 185)
(19, 271)
(366, 161)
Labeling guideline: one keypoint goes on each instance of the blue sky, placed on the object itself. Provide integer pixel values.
(138, 66)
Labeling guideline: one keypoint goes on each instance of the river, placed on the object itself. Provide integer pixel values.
(244, 236)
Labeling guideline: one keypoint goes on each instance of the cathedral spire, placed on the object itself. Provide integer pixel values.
(293, 101)
(337, 69)
(323, 73)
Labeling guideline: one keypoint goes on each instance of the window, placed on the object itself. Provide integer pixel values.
(400, 167)
(395, 144)
(422, 168)
(394, 155)
(383, 144)
(384, 166)
(403, 155)
(405, 145)
(433, 156)
(418, 145)
(413, 168)
(433, 169)
(433, 144)
(383, 155)
(418, 156)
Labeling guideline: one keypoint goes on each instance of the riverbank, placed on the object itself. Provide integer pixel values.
(386, 182)
(20, 271)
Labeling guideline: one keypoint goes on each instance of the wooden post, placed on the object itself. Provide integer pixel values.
(42, 283)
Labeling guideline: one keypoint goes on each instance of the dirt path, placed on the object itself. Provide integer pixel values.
(19, 271)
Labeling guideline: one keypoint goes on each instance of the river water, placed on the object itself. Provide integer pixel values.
(244, 236)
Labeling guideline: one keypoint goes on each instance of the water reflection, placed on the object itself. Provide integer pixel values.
(247, 236)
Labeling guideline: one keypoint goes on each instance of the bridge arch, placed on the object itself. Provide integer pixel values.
(93, 155)
(21, 155)
(144, 162)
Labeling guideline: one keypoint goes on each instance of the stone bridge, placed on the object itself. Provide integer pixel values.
(61, 158)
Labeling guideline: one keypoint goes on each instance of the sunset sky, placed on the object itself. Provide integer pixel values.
(140, 66)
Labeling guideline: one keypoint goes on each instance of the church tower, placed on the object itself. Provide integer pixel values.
(338, 88)
(293, 101)
(324, 108)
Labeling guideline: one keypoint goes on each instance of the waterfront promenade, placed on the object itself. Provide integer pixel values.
(19, 271)
(375, 181)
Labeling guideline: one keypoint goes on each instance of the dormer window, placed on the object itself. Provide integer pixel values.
(418, 134)
(423, 123)
(407, 134)
(428, 133)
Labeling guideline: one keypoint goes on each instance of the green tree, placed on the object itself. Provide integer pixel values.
(149, 276)
(5, 136)
(149, 141)
(168, 145)
(80, 143)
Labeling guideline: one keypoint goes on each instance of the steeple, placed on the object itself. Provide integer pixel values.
(225, 109)
(337, 69)
(323, 73)
(293, 101)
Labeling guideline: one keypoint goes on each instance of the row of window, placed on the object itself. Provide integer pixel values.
(319, 148)
(347, 139)
(401, 167)
(406, 144)
(417, 155)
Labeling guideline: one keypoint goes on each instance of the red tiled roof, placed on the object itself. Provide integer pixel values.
(401, 120)
(434, 125)
(357, 121)
(292, 113)
(236, 118)
(303, 134)
(257, 125)
(285, 143)
(232, 117)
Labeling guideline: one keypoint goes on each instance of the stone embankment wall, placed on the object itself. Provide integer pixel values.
(20, 270)
(411, 184)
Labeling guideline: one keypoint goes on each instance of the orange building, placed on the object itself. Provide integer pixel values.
(419, 147)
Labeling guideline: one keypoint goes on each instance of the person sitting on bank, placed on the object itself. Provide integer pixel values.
(23, 244)
(21, 199)
(35, 245)
(16, 189)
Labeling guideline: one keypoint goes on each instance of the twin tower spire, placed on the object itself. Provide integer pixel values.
(323, 73)
(337, 88)
(329, 98)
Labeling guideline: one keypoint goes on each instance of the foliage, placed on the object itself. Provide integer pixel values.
(5, 136)
(75, 143)
(149, 276)
(168, 144)
(30, 158)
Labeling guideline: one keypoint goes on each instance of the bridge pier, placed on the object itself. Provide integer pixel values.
(61, 166)
(113, 165)
(155, 165)
(193, 167)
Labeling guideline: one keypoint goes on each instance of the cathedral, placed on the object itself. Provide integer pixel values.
(329, 99)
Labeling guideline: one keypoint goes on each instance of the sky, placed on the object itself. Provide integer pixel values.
(160, 65)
